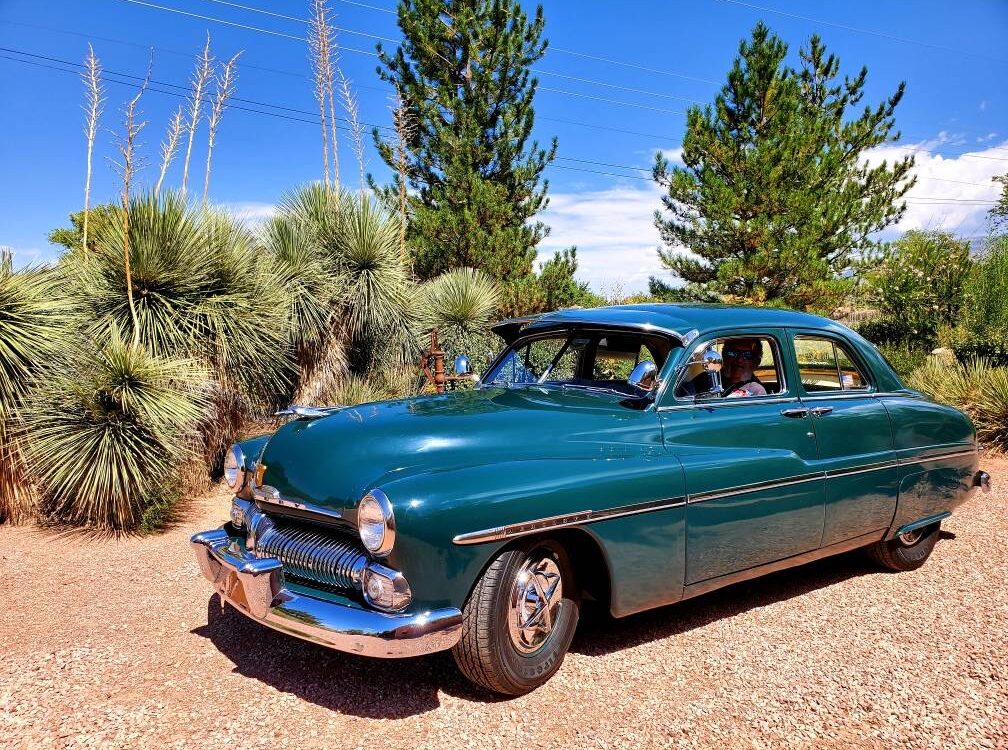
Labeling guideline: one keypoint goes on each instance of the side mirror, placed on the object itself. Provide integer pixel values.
(463, 367)
(711, 362)
(644, 375)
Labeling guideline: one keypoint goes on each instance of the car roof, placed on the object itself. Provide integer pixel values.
(672, 318)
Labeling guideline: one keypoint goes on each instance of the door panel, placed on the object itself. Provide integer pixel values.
(753, 494)
(854, 435)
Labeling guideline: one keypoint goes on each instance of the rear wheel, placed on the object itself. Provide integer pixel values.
(907, 551)
(520, 619)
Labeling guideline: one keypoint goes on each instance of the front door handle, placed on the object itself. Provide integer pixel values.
(820, 411)
(797, 413)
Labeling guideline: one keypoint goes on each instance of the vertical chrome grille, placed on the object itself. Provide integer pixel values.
(316, 556)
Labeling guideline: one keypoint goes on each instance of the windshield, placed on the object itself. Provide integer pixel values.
(596, 360)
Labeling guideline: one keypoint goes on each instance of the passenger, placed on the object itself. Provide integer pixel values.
(740, 358)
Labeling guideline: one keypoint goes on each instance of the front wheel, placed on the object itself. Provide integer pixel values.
(906, 551)
(519, 620)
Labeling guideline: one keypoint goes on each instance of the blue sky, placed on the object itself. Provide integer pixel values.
(613, 89)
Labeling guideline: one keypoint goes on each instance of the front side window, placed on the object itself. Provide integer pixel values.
(750, 366)
(826, 366)
(580, 359)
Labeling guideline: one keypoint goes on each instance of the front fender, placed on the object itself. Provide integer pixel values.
(433, 508)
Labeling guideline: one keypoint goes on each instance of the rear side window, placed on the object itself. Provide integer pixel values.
(825, 365)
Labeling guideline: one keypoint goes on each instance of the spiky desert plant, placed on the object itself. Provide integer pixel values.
(303, 270)
(461, 304)
(225, 81)
(36, 327)
(204, 291)
(974, 386)
(108, 435)
(371, 324)
(169, 147)
(93, 100)
(198, 89)
(356, 389)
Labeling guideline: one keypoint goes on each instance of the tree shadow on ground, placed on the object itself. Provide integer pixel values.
(398, 688)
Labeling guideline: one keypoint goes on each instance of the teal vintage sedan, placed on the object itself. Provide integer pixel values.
(635, 455)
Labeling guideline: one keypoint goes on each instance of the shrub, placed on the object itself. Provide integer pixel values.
(916, 283)
(35, 330)
(983, 328)
(904, 358)
(976, 387)
(109, 434)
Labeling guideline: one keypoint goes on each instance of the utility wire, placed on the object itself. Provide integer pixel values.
(872, 32)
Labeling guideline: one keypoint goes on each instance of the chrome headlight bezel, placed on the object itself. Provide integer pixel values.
(376, 523)
(235, 473)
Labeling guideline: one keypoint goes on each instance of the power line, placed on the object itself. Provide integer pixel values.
(872, 32)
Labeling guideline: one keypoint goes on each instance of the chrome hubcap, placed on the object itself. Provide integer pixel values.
(911, 538)
(535, 604)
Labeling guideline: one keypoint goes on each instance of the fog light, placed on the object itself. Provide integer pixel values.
(385, 588)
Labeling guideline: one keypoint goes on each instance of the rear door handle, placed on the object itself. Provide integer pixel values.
(820, 411)
(796, 413)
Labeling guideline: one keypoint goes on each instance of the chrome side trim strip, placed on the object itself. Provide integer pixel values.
(524, 528)
(742, 489)
(938, 456)
(719, 403)
(864, 469)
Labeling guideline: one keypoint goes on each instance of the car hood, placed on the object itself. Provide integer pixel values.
(333, 461)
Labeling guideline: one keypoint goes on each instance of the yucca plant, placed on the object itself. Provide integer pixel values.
(974, 386)
(461, 304)
(204, 291)
(36, 326)
(109, 433)
(339, 254)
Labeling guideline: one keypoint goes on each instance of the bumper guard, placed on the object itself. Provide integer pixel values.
(255, 587)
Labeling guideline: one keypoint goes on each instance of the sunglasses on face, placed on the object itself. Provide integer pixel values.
(748, 356)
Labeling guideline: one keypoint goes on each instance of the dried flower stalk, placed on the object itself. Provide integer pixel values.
(200, 81)
(170, 146)
(92, 109)
(225, 88)
(404, 131)
(320, 43)
(353, 114)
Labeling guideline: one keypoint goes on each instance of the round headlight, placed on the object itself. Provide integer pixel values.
(234, 467)
(375, 523)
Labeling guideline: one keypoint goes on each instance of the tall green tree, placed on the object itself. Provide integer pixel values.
(474, 176)
(775, 194)
(999, 214)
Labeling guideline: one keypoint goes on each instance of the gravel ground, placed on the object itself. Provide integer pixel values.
(118, 643)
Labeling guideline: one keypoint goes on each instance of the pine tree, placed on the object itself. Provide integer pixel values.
(462, 73)
(775, 195)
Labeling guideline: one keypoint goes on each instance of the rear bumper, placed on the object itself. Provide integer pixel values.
(255, 587)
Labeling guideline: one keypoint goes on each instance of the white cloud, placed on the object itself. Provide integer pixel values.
(953, 193)
(614, 232)
(251, 213)
(32, 256)
(983, 105)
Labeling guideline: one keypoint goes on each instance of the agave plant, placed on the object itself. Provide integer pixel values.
(35, 329)
(203, 291)
(461, 304)
(108, 434)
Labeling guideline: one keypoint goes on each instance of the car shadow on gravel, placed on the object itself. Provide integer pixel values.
(355, 685)
(599, 633)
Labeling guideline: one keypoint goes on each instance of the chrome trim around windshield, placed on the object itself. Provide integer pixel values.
(524, 528)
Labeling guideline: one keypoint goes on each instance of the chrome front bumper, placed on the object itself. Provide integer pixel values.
(255, 587)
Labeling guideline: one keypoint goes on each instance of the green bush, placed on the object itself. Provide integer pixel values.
(976, 387)
(904, 358)
(916, 284)
(982, 330)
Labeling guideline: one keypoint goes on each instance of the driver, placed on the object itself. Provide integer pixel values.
(741, 357)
